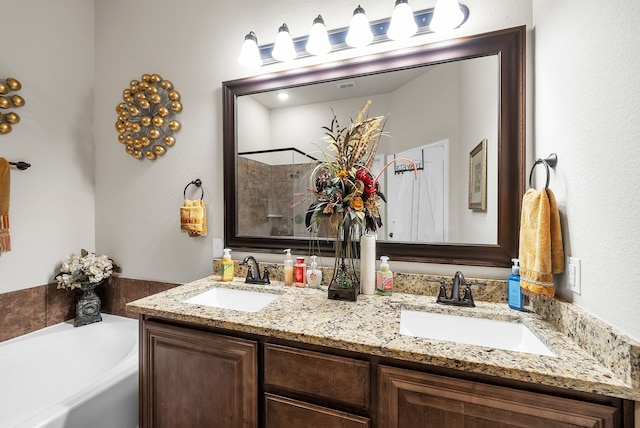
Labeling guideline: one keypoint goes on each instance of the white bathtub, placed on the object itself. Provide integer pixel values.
(66, 377)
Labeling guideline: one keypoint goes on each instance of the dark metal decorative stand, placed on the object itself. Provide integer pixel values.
(88, 306)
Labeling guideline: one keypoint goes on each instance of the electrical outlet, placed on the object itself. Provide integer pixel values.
(574, 277)
(218, 247)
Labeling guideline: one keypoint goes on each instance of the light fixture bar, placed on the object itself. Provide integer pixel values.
(337, 37)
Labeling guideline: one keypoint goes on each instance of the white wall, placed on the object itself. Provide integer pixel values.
(480, 89)
(586, 110)
(48, 47)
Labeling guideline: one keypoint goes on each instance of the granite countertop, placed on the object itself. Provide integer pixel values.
(371, 325)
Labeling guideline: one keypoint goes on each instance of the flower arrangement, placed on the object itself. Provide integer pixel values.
(84, 267)
(345, 190)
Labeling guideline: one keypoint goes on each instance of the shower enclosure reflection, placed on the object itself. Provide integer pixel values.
(274, 183)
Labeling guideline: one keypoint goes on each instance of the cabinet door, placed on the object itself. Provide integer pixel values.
(411, 399)
(193, 379)
(287, 413)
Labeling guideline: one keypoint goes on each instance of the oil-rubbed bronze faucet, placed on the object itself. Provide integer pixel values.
(253, 272)
(454, 299)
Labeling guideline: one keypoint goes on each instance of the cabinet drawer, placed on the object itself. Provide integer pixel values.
(283, 413)
(340, 380)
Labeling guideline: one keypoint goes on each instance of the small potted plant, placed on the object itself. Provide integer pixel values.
(85, 271)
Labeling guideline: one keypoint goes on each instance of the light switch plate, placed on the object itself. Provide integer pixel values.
(574, 275)
(218, 247)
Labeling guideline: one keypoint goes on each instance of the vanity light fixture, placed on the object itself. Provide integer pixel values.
(318, 43)
(283, 49)
(249, 53)
(447, 15)
(403, 23)
(359, 33)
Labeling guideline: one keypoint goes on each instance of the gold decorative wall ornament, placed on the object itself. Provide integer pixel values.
(8, 101)
(146, 119)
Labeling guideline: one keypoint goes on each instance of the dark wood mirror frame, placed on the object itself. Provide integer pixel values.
(508, 45)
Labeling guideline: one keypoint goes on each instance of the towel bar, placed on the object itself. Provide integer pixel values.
(20, 165)
(550, 161)
(198, 183)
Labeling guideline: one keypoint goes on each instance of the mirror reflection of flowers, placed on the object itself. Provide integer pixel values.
(345, 190)
(84, 267)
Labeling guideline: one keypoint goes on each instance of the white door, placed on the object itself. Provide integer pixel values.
(417, 207)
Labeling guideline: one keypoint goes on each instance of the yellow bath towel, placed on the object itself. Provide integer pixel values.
(5, 239)
(193, 218)
(541, 253)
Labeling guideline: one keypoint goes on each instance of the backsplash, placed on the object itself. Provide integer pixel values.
(492, 290)
(30, 309)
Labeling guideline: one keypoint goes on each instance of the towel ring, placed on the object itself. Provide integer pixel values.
(550, 161)
(198, 183)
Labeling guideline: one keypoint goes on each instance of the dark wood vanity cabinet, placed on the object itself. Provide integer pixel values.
(313, 389)
(195, 378)
(415, 399)
(191, 378)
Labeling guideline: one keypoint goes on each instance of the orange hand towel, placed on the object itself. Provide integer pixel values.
(5, 239)
(541, 253)
(193, 218)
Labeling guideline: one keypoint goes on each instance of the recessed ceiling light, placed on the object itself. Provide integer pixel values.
(283, 96)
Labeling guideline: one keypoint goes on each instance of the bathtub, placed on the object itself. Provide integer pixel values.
(66, 377)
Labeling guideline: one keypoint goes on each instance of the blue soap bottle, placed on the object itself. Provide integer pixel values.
(516, 300)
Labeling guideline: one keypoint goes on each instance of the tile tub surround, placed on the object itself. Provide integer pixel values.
(30, 309)
(371, 326)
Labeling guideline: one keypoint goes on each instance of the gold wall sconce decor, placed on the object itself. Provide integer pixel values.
(8, 101)
(146, 119)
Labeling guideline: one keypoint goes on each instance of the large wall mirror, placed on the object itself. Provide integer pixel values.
(447, 105)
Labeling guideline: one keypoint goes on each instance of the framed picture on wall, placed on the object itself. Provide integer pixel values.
(478, 177)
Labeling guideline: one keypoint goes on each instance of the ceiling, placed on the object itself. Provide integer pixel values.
(352, 87)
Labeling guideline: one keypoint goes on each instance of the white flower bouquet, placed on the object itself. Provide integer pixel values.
(84, 267)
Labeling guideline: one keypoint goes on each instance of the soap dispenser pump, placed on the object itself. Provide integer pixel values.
(384, 278)
(227, 266)
(288, 267)
(516, 299)
(314, 275)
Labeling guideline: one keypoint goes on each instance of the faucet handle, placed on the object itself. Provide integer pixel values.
(442, 293)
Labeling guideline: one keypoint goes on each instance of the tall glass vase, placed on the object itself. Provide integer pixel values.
(88, 305)
(347, 258)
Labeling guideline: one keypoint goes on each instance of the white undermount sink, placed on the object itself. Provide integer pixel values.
(510, 336)
(229, 298)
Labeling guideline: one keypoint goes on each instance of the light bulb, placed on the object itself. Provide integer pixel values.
(359, 33)
(318, 43)
(403, 24)
(283, 49)
(249, 53)
(447, 15)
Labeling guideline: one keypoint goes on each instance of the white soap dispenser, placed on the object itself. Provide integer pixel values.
(314, 275)
(288, 267)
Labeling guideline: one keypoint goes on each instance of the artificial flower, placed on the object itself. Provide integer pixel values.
(84, 267)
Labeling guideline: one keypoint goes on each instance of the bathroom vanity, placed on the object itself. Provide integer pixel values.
(305, 360)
